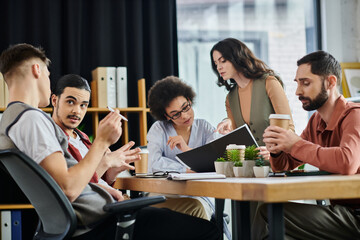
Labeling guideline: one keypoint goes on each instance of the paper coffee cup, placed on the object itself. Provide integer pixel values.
(280, 120)
(239, 148)
(141, 166)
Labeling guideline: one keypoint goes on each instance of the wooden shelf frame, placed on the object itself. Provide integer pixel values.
(142, 110)
(15, 206)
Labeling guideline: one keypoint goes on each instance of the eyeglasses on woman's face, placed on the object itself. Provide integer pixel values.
(176, 115)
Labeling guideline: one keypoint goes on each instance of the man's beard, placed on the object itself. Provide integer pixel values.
(66, 126)
(318, 102)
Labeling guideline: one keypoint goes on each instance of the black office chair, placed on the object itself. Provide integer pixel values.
(57, 219)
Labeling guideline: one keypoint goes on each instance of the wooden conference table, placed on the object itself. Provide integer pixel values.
(272, 190)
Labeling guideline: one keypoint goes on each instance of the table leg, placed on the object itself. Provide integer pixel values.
(276, 221)
(219, 215)
(136, 194)
(240, 217)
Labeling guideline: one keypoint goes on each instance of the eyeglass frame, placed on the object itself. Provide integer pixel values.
(189, 105)
(163, 173)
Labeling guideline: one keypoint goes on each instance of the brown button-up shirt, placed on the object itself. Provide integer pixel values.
(332, 147)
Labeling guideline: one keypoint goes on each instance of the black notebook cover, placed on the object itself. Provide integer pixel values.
(202, 159)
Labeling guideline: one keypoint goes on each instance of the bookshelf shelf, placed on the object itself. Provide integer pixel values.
(142, 110)
(102, 110)
(15, 206)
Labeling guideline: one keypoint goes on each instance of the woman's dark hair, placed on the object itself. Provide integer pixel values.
(164, 91)
(242, 58)
(70, 80)
(322, 64)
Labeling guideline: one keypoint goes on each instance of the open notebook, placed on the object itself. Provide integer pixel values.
(194, 176)
(202, 159)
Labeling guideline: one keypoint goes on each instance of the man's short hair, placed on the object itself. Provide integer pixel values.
(16, 54)
(322, 64)
(70, 80)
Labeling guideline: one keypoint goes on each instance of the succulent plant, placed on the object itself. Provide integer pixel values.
(251, 153)
(233, 155)
(220, 159)
(238, 164)
(259, 162)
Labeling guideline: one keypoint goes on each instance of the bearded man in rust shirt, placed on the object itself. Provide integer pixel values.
(330, 141)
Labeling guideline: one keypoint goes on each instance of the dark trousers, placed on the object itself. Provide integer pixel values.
(313, 222)
(159, 223)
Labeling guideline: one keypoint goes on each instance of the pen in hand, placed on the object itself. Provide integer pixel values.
(112, 110)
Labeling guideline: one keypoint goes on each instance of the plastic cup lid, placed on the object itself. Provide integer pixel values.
(280, 116)
(234, 146)
(144, 150)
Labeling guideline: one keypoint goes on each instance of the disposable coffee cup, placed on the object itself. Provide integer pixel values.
(141, 166)
(239, 148)
(280, 120)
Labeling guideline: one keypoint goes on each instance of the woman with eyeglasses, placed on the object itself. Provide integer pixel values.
(170, 101)
(255, 91)
(176, 131)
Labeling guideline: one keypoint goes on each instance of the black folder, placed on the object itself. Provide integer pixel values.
(202, 159)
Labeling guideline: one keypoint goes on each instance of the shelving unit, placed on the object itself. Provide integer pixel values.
(142, 110)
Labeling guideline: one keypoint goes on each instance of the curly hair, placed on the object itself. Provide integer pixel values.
(164, 91)
(242, 58)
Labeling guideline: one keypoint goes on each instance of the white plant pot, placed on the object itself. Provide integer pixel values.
(249, 168)
(229, 169)
(220, 167)
(225, 168)
(238, 171)
(261, 172)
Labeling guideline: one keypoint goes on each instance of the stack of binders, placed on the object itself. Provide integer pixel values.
(4, 93)
(109, 87)
(11, 225)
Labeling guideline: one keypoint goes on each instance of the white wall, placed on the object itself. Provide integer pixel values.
(341, 29)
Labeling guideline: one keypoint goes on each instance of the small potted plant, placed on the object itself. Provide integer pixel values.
(224, 165)
(260, 170)
(238, 169)
(233, 156)
(251, 154)
(220, 165)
